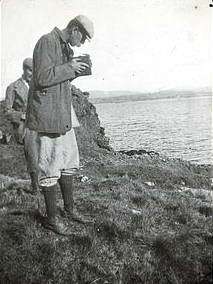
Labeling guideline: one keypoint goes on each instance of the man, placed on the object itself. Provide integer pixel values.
(51, 115)
(16, 100)
(16, 105)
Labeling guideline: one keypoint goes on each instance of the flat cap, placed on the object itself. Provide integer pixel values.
(28, 62)
(86, 24)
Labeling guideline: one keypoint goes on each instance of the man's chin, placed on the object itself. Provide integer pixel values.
(75, 44)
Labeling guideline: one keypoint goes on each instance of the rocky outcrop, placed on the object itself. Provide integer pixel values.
(90, 134)
(5, 125)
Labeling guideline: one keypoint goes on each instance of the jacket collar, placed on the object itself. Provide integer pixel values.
(20, 82)
(24, 81)
(59, 34)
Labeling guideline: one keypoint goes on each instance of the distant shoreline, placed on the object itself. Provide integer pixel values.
(145, 97)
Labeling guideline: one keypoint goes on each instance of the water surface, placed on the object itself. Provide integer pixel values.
(177, 127)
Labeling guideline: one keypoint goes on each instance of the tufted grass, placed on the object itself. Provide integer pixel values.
(159, 232)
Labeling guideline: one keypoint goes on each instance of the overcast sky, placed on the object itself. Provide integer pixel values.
(139, 45)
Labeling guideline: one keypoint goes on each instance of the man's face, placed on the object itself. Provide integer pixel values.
(77, 37)
(27, 74)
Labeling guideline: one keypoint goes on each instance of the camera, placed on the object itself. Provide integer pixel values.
(85, 59)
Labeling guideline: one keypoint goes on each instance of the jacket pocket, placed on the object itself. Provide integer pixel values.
(48, 91)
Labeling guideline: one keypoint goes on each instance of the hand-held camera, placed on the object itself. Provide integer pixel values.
(85, 59)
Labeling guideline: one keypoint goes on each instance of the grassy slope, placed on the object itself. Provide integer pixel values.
(158, 232)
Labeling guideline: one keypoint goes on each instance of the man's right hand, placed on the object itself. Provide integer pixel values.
(14, 116)
(78, 66)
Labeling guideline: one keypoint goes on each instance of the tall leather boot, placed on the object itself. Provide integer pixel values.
(53, 223)
(66, 185)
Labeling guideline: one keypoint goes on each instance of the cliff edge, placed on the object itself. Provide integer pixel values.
(151, 217)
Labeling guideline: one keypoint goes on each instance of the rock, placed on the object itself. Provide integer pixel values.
(6, 129)
(149, 183)
(5, 138)
(90, 134)
(84, 179)
(138, 152)
(136, 212)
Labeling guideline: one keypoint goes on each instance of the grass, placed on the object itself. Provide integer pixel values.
(161, 233)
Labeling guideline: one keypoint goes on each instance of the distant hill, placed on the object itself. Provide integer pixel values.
(122, 96)
(101, 94)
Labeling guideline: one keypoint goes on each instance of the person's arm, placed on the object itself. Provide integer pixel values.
(12, 115)
(46, 73)
(9, 98)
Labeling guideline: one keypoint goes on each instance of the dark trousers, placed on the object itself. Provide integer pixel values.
(31, 150)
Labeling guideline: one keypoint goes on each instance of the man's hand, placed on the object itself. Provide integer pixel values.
(14, 116)
(78, 66)
(23, 116)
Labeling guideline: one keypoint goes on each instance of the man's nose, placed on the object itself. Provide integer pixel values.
(83, 39)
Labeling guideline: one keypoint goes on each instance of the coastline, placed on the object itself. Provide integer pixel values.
(152, 217)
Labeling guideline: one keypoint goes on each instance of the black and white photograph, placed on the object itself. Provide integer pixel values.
(106, 166)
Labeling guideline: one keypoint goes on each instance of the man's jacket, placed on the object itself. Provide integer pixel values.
(16, 100)
(49, 103)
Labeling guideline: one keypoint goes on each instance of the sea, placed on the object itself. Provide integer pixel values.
(179, 127)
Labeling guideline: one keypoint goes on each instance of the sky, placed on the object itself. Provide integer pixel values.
(139, 45)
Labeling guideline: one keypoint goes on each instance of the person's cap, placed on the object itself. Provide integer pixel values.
(28, 62)
(86, 24)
